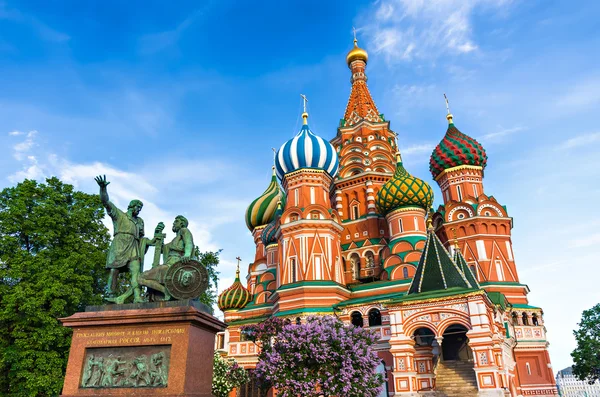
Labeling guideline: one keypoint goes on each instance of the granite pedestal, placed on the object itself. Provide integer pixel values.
(149, 349)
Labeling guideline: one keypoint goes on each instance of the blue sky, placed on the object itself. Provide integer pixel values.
(180, 103)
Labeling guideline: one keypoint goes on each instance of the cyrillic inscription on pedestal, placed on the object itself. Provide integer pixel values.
(116, 367)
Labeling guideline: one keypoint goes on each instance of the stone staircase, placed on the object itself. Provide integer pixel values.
(455, 379)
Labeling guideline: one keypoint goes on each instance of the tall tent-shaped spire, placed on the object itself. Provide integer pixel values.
(437, 270)
(360, 104)
(460, 261)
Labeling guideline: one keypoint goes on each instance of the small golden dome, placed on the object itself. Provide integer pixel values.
(356, 53)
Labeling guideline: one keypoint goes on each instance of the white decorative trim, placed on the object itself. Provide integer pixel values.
(483, 206)
(461, 207)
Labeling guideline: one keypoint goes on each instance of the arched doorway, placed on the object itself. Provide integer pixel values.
(384, 388)
(455, 345)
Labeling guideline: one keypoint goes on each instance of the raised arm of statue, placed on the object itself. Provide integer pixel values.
(103, 183)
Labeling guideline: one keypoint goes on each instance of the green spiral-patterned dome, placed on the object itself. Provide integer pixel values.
(261, 211)
(234, 297)
(269, 233)
(403, 190)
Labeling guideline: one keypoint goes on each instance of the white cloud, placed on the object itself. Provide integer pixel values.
(21, 149)
(43, 30)
(15, 133)
(591, 240)
(155, 187)
(155, 42)
(418, 149)
(581, 140)
(583, 94)
(30, 170)
(407, 97)
(501, 133)
(402, 30)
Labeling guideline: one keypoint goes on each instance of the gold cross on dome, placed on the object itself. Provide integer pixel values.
(239, 260)
(354, 31)
(305, 100)
(447, 104)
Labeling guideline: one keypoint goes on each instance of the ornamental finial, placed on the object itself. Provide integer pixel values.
(304, 113)
(449, 115)
(237, 272)
(430, 220)
(455, 239)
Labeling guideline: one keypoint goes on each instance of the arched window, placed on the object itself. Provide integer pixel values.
(357, 319)
(534, 319)
(374, 318)
(515, 318)
(298, 321)
(405, 272)
(370, 259)
(355, 261)
(355, 212)
(525, 319)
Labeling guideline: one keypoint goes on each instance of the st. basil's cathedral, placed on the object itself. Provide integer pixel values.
(344, 229)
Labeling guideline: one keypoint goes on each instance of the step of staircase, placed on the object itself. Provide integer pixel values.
(455, 379)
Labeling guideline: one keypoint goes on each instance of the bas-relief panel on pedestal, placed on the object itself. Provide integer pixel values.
(118, 367)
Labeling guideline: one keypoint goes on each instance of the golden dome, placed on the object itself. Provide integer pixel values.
(356, 53)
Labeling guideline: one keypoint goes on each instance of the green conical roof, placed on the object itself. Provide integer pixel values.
(437, 270)
(459, 259)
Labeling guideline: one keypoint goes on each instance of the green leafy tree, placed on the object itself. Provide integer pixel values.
(227, 374)
(52, 259)
(586, 356)
(210, 260)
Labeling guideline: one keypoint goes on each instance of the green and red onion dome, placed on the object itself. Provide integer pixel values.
(269, 234)
(456, 149)
(403, 190)
(234, 297)
(262, 210)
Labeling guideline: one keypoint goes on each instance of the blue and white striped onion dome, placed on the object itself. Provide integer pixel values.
(306, 150)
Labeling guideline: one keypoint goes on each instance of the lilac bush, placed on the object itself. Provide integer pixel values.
(322, 357)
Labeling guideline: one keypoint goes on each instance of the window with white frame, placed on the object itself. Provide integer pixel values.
(318, 269)
(293, 275)
(499, 270)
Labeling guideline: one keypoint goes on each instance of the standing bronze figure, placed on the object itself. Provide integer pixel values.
(124, 254)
